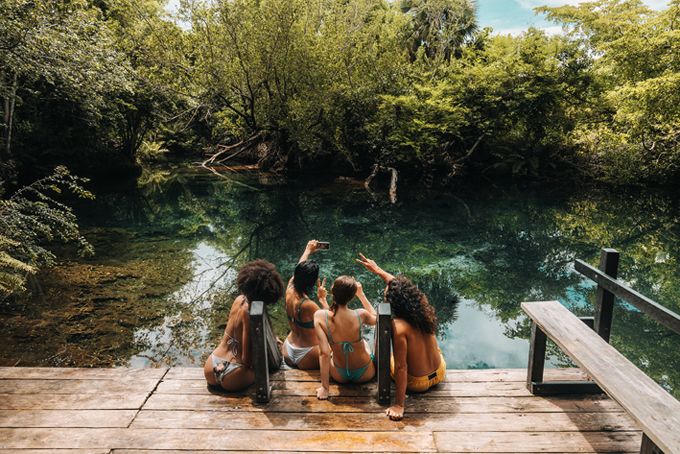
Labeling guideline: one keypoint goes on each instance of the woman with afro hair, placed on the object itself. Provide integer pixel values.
(417, 363)
(229, 365)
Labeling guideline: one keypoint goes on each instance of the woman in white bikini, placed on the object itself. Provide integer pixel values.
(229, 365)
(301, 347)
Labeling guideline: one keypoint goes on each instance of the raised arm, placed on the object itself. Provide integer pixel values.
(373, 267)
(370, 314)
(324, 355)
(396, 411)
(312, 247)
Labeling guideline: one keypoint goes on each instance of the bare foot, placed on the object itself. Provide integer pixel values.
(321, 393)
(395, 412)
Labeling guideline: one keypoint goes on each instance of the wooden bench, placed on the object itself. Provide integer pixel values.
(655, 410)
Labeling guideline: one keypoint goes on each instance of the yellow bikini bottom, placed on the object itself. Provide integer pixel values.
(422, 384)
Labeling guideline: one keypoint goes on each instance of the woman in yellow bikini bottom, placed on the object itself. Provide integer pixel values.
(422, 384)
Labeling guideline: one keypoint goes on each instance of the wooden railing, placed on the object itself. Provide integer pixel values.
(266, 356)
(609, 287)
(383, 352)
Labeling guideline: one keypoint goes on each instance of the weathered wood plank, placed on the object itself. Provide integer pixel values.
(121, 401)
(66, 418)
(416, 422)
(656, 411)
(454, 376)
(55, 451)
(308, 388)
(563, 442)
(84, 373)
(209, 439)
(75, 386)
(365, 404)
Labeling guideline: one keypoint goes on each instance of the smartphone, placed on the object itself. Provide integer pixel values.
(324, 245)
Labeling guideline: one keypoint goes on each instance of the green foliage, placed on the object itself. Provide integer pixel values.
(31, 220)
(631, 126)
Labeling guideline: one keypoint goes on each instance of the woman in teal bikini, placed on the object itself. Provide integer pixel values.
(344, 354)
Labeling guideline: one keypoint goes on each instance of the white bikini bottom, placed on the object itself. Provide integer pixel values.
(295, 354)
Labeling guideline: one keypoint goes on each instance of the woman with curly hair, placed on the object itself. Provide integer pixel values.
(417, 363)
(301, 347)
(229, 365)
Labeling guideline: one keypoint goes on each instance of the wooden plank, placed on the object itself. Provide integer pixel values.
(660, 313)
(210, 439)
(604, 299)
(384, 333)
(365, 404)
(66, 373)
(537, 344)
(122, 401)
(66, 418)
(509, 422)
(75, 386)
(471, 375)
(308, 388)
(56, 451)
(656, 411)
(258, 352)
(537, 441)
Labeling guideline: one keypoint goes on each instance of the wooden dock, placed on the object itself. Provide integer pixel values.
(164, 411)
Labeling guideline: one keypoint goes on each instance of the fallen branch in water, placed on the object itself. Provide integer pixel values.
(394, 177)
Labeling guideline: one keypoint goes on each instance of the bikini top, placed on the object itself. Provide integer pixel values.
(296, 318)
(347, 346)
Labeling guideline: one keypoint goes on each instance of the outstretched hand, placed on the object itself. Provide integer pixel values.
(312, 246)
(369, 264)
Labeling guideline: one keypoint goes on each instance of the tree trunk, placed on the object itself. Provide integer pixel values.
(9, 106)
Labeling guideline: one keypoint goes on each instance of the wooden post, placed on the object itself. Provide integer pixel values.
(536, 356)
(648, 446)
(604, 301)
(274, 353)
(260, 358)
(384, 333)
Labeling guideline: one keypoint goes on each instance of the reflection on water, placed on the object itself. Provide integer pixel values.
(159, 289)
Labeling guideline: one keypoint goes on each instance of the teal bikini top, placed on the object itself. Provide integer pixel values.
(347, 346)
(296, 318)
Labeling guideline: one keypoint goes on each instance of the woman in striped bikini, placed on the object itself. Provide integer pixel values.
(228, 366)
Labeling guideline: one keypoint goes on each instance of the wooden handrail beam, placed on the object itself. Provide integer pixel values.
(384, 334)
(661, 314)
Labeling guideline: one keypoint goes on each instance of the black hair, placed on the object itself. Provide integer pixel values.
(410, 304)
(305, 276)
(259, 281)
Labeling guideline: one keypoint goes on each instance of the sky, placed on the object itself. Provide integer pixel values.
(514, 16)
(511, 16)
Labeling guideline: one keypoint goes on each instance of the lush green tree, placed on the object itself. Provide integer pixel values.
(630, 125)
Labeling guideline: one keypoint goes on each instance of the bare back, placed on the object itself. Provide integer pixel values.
(422, 349)
(300, 311)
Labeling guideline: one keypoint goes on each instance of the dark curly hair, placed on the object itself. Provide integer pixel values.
(305, 276)
(259, 281)
(410, 304)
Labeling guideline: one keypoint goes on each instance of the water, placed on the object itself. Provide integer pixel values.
(169, 246)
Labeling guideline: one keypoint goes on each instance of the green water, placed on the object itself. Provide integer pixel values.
(168, 248)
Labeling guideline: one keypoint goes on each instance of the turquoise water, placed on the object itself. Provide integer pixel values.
(168, 248)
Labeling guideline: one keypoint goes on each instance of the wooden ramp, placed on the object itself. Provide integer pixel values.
(163, 411)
